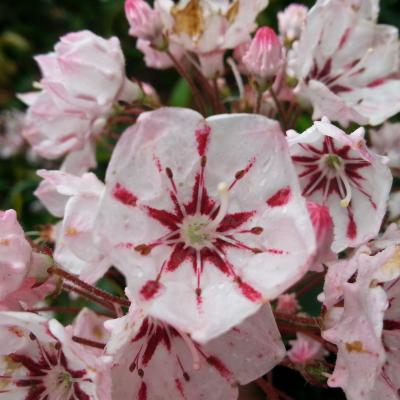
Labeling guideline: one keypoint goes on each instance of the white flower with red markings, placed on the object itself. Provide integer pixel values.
(338, 171)
(205, 210)
(209, 27)
(41, 362)
(144, 348)
(347, 70)
(362, 301)
(76, 199)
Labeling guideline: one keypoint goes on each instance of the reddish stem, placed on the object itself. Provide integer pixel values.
(89, 288)
(88, 342)
(271, 391)
(314, 281)
(196, 93)
(310, 322)
(89, 296)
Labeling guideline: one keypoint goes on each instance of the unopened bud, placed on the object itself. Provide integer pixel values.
(144, 21)
(264, 57)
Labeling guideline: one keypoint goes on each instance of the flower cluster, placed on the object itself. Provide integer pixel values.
(212, 221)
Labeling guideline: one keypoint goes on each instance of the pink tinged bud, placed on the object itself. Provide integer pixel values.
(291, 21)
(144, 22)
(287, 303)
(323, 228)
(264, 57)
(304, 349)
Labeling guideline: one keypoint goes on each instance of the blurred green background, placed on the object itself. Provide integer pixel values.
(29, 27)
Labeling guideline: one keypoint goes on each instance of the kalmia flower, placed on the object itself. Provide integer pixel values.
(21, 269)
(143, 348)
(144, 21)
(76, 199)
(291, 21)
(323, 227)
(346, 70)
(11, 139)
(209, 27)
(264, 57)
(338, 171)
(181, 219)
(82, 79)
(41, 362)
(159, 59)
(386, 141)
(363, 320)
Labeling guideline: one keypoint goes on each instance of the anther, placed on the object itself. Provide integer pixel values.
(143, 249)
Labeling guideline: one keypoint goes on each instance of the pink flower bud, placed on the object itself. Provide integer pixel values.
(144, 21)
(287, 303)
(323, 228)
(264, 57)
(304, 349)
(291, 21)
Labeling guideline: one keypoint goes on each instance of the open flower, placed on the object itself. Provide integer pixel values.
(41, 361)
(362, 300)
(209, 27)
(11, 139)
(337, 170)
(386, 141)
(82, 79)
(76, 199)
(206, 210)
(20, 268)
(143, 348)
(346, 70)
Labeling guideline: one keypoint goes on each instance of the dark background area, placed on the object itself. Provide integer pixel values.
(29, 27)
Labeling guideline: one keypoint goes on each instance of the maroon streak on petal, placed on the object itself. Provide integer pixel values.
(251, 293)
(150, 289)
(142, 395)
(220, 367)
(234, 221)
(202, 138)
(376, 82)
(179, 386)
(178, 256)
(124, 196)
(35, 392)
(163, 217)
(142, 330)
(79, 393)
(213, 258)
(280, 198)
(345, 37)
(351, 227)
(155, 339)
